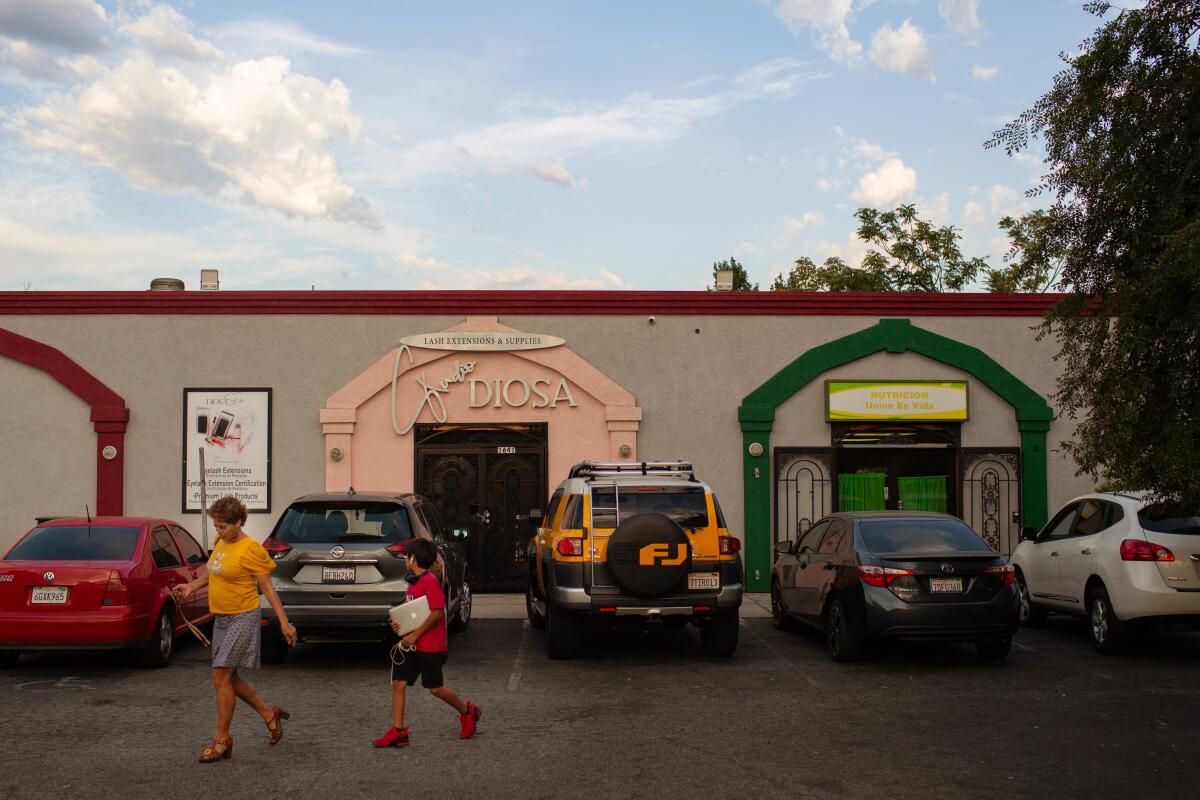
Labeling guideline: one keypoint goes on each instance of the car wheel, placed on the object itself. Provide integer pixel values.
(995, 650)
(157, 653)
(463, 618)
(1030, 615)
(537, 620)
(843, 646)
(274, 646)
(8, 658)
(1109, 634)
(779, 612)
(564, 633)
(719, 635)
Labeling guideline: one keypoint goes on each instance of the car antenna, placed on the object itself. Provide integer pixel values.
(87, 513)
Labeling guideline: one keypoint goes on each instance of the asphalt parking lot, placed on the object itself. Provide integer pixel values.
(637, 716)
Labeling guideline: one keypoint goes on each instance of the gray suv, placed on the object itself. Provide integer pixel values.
(340, 565)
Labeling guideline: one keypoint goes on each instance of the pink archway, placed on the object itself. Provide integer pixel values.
(363, 450)
(109, 415)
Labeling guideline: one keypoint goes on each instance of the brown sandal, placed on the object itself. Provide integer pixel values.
(275, 725)
(211, 753)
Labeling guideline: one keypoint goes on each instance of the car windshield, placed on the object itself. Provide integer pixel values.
(77, 543)
(685, 505)
(917, 537)
(344, 521)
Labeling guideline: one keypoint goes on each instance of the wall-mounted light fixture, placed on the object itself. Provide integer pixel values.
(336, 454)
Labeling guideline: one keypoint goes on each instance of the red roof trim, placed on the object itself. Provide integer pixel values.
(868, 304)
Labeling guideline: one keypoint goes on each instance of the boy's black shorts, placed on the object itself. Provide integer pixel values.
(427, 666)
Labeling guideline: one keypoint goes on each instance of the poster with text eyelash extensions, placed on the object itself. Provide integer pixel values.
(233, 427)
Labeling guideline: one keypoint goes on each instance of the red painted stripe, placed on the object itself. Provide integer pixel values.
(531, 302)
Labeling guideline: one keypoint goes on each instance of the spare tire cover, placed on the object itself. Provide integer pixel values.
(649, 555)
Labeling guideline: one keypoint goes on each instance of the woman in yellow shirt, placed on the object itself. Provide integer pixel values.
(238, 570)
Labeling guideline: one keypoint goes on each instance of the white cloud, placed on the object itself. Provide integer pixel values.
(961, 15)
(1005, 200)
(826, 19)
(37, 63)
(973, 214)
(557, 174)
(793, 225)
(830, 184)
(937, 209)
(433, 273)
(278, 36)
(78, 26)
(981, 73)
(891, 183)
(166, 32)
(903, 50)
(745, 249)
(253, 132)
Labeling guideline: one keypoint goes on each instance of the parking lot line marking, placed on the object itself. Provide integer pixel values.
(514, 678)
(791, 667)
(1097, 673)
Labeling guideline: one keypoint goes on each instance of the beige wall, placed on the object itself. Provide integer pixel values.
(689, 374)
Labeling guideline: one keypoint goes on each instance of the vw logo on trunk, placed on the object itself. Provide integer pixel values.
(337, 551)
(947, 568)
(48, 576)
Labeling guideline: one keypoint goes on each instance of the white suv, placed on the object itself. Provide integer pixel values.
(1107, 557)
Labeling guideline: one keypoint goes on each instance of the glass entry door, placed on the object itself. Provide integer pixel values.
(897, 478)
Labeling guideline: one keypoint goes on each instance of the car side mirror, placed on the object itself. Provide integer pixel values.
(1029, 534)
(784, 548)
(461, 534)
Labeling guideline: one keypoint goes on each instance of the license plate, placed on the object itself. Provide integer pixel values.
(704, 580)
(49, 595)
(945, 585)
(337, 574)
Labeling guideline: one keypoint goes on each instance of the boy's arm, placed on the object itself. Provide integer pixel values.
(434, 616)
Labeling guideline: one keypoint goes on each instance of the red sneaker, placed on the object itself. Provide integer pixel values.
(395, 737)
(467, 721)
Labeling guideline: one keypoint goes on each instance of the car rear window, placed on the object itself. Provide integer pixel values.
(920, 537)
(1161, 520)
(611, 505)
(344, 522)
(77, 543)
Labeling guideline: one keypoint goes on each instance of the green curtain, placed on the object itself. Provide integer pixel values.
(861, 492)
(923, 494)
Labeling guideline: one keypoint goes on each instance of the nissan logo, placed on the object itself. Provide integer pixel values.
(48, 576)
(947, 568)
(337, 551)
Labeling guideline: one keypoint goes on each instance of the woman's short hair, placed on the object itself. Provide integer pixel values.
(229, 510)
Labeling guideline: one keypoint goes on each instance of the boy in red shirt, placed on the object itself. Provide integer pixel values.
(426, 651)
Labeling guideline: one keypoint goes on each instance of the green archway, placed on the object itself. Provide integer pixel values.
(757, 418)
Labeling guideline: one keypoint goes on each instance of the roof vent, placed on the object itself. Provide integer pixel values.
(166, 285)
(209, 280)
(724, 280)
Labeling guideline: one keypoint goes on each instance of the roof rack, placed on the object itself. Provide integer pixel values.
(612, 469)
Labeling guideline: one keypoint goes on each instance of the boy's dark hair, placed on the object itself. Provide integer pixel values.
(424, 551)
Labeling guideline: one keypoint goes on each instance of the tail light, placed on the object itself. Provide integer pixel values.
(399, 549)
(1005, 573)
(730, 545)
(1141, 550)
(116, 593)
(569, 547)
(275, 548)
(881, 576)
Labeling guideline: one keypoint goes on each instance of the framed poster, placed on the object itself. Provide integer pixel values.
(233, 428)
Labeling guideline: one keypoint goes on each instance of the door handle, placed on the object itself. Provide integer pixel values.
(1087, 551)
(520, 517)
(1054, 553)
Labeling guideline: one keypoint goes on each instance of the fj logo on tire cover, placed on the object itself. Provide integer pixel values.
(658, 554)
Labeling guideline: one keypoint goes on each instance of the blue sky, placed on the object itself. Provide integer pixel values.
(398, 145)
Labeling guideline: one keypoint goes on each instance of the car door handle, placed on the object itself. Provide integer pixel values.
(1087, 551)
(1054, 553)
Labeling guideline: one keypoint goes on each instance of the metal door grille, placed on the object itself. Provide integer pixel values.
(803, 490)
(991, 495)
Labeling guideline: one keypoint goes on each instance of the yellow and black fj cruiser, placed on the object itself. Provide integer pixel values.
(644, 542)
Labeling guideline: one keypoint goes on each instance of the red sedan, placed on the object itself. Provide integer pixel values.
(99, 584)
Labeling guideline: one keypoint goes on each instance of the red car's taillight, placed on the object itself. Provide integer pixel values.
(1005, 573)
(1141, 550)
(275, 548)
(569, 547)
(116, 593)
(880, 576)
(399, 549)
(730, 545)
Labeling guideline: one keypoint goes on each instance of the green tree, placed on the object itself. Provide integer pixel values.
(1035, 254)
(1121, 126)
(741, 280)
(908, 254)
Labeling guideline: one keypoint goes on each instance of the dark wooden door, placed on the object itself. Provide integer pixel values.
(513, 490)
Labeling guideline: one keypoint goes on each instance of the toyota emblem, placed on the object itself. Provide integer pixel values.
(337, 551)
(947, 568)
(48, 577)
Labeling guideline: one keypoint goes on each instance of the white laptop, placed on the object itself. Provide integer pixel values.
(410, 615)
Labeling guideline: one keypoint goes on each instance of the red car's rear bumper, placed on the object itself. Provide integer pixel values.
(97, 630)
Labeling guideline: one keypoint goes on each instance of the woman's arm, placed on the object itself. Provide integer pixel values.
(185, 590)
(286, 628)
